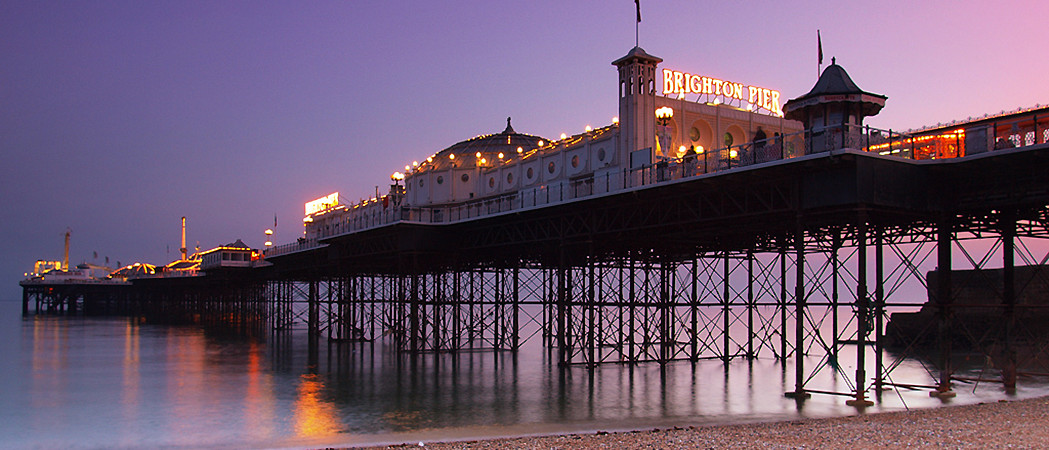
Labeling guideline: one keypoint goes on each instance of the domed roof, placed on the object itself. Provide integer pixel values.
(488, 145)
(637, 54)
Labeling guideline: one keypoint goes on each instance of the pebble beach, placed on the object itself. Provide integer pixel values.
(1003, 424)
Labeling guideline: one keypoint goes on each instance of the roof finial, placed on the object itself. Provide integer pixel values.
(509, 129)
(833, 60)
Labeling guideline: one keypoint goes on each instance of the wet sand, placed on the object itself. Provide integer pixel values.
(1013, 424)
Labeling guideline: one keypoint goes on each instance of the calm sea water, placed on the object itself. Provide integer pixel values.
(110, 382)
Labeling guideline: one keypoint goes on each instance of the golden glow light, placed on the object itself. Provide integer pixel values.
(563, 135)
(615, 120)
(540, 143)
(478, 154)
(520, 150)
(681, 151)
(269, 232)
(415, 163)
(589, 128)
(681, 83)
(664, 113)
(327, 202)
(733, 153)
(501, 155)
(451, 156)
(699, 149)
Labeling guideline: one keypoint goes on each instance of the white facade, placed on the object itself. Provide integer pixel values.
(499, 172)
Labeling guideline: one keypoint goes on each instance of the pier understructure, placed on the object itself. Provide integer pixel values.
(802, 260)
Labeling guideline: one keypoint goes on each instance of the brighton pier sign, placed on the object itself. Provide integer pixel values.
(679, 83)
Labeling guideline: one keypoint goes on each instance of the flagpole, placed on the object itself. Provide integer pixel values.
(819, 50)
(637, 25)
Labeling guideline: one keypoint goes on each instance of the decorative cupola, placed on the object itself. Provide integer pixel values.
(833, 110)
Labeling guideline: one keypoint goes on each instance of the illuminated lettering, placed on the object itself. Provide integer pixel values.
(737, 91)
(695, 84)
(327, 202)
(677, 83)
(717, 87)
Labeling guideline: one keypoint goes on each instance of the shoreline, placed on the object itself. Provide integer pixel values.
(1005, 423)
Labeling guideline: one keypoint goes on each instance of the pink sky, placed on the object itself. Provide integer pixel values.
(118, 118)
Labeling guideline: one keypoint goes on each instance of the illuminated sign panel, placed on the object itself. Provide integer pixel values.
(323, 203)
(675, 82)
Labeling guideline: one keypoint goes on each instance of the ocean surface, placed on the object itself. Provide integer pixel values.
(73, 382)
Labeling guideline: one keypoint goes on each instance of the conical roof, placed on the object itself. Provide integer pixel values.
(834, 85)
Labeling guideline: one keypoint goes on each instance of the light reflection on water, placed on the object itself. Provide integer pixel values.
(94, 383)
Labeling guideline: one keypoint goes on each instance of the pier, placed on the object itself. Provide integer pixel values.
(795, 246)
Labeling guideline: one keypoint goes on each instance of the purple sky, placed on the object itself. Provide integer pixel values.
(118, 118)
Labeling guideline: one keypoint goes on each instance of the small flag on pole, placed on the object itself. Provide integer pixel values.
(274, 221)
(638, 4)
(819, 46)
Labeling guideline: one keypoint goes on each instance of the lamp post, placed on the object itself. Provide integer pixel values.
(269, 238)
(663, 116)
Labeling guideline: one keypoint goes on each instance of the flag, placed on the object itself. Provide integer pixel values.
(274, 221)
(638, 4)
(819, 46)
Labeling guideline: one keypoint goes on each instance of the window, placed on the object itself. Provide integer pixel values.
(491, 182)
(551, 167)
(728, 139)
(509, 178)
(465, 177)
(440, 179)
(530, 173)
(575, 161)
(420, 182)
(694, 134)
(601, 154)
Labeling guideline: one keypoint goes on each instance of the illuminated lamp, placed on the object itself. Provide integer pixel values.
(501, 155)
(615, 120)
(540, 143)
(699, 149)
(589, 128)
(407, 167)
(681, 151)
(732, 153)
(269, 232)
(478, 154)
(520, 150)
(664, 114)
(415, 163)
(563, 135)
(484, 161)
(430, 159)
(451, 156)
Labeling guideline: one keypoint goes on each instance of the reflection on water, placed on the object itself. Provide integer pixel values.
(79, 382)
(314, 415)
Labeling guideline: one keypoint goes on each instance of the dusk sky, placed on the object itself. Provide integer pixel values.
(118, 118)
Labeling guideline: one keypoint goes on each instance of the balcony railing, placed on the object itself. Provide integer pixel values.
(931, 145)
